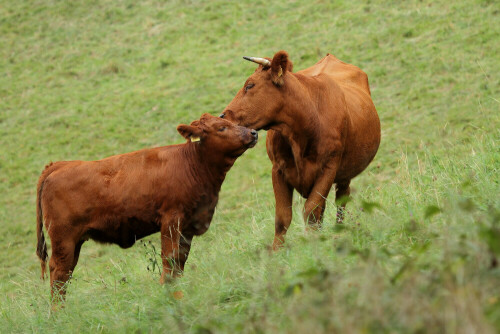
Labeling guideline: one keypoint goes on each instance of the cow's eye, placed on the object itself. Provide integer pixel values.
(247, 87)
(222, 129)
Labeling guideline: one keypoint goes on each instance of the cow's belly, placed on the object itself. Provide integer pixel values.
(361, 146)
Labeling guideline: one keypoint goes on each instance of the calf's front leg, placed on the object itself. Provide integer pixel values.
(184, 248)
(170, 239)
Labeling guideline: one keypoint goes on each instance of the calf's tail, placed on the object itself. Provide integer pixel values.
(41, 247)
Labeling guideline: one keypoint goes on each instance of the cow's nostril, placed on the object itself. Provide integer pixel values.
(254, 133)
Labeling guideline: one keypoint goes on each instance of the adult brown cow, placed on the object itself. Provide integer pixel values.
(323, 129)
(173, 189)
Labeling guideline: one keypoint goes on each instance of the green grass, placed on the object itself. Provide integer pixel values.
(89, 79)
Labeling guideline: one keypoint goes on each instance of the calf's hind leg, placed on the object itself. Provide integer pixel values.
(61, 264)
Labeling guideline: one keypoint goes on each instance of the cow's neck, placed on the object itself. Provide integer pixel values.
(298, 122)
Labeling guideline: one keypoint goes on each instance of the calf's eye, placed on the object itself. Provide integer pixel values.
(247, 87)
(222, 129)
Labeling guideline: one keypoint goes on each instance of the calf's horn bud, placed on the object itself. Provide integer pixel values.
(261, 61)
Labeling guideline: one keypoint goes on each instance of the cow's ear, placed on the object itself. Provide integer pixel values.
(190, 132)
(280, 65)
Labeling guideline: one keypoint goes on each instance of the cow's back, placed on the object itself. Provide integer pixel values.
(344, 74)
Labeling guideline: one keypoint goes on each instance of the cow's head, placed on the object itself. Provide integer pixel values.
(261, 98)
(219, 135)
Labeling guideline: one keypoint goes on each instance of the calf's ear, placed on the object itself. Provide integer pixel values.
(190, 132)
(280, 65)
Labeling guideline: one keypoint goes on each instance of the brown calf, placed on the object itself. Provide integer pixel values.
(172, 189)
(323, 129)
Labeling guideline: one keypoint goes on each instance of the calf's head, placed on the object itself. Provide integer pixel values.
(261, 98)
(219, 135)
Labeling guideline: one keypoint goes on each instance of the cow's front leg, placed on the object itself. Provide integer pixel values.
(283, 193)
(170, 237)
(316, 202)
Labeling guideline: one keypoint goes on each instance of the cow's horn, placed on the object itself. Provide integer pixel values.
(261, 61)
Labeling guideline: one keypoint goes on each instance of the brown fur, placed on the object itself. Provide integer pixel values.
(170, 189)
(323, 129)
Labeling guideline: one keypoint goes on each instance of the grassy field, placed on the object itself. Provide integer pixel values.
(89, 79)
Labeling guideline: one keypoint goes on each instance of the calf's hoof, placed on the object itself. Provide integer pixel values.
(278, 244)
(313, 227)
(167, 279)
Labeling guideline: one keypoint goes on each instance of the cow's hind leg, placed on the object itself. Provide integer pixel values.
(341, 197)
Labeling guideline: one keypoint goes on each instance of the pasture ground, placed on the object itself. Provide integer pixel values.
(416, 254)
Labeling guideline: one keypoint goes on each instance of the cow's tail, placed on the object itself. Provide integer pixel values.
(41, 247)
